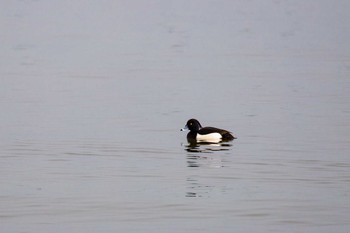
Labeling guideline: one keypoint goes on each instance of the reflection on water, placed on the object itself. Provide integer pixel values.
(203, 156)
(194, 160)
(198, 189)
(207, 147)
(202, 185)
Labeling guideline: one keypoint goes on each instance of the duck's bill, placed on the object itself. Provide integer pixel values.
(184, 128)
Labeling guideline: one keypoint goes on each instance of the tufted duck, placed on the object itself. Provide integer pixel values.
(206, 134)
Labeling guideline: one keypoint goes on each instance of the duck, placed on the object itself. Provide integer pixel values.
(206, 134)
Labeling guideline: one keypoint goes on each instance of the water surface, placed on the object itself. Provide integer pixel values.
(93, 96)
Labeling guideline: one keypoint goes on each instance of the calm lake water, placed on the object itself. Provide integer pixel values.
(93, 96)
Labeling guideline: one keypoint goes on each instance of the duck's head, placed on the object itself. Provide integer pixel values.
(192, 125)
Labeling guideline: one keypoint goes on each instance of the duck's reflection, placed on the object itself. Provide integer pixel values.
(211, 161)
(207, 147)
(205, 155)
(198, 189)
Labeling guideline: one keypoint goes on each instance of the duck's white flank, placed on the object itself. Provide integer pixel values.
(212, 137)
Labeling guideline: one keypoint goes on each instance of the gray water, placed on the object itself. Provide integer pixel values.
(93, 95)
